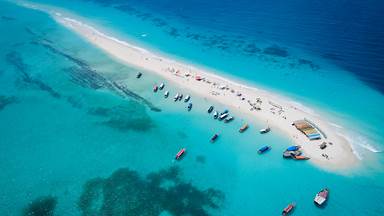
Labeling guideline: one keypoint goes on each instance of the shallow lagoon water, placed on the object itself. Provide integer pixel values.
(64, 129)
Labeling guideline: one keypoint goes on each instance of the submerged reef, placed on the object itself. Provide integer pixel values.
(84, 75)
(125, 192)
(42, 206)
(15, 59)
(275, 50)
(131, 116)
(7, 18)
(5, 101)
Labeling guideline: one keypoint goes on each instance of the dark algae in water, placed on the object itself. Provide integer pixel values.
(5, 101)
(125, 192)
(131, 116)
(42, 206)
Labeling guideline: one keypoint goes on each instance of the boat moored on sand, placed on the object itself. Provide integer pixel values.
(300, 157)
(243, 128)
(265, 130)
(210, 109)
(223, 116)
(161, 86)
(176, 97)
(229, 119)
(289, 209)
(321, 197)
(180, 154)
(215, 115)
(186, 99)
(155, 88)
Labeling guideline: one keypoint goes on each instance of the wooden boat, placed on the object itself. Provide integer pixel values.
(189, 106)
(291, 154)
(161, 86)
(210, 109)
(293, 148)
(176, 97)
(300, 157)
(321, 197)
(263, 149)
(223, 116)
(243, 128)
(215, 115)
(138, 75)
(287, 210)
(166, 94)
(186, 99)
(180, 153)
(229, 119)
(155, 88)
(224, 112)
(214, 138)
(265, 130)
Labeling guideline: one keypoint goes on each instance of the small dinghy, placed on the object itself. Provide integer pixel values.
(293, 148)
(287, 210)
(186, 99)
(138, 75)
(223, 116)
(180, 154)
(265, 130)
(161, 86)
(180, 97)
(176, 97)
(155, 88)
(264, 149)
(189, 106)
(291, 154)
(229, 119)
(210, 109)
(215, 115)
(243, 128)
(166, 94)
(224, 112)
(321, 197)
(300, 157)
(214, 138)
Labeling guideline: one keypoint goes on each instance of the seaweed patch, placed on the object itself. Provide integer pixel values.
(5, 101)
(7, 18)
(125, 192)
(131, 116)
(14, 58)
(275, 50)
(42, 206)
(309, 63)
(85, 76)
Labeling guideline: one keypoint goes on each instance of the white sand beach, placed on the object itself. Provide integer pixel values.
(255, 103)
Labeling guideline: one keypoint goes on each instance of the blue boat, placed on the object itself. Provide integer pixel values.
(293, 148)
(264, 149)
(189, 106)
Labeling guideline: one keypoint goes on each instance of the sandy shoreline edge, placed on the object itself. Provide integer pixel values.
(279, 112)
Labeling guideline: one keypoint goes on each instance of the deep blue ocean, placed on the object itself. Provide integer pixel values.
(72, 143)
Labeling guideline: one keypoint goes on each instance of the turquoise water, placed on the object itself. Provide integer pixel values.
(72, 143)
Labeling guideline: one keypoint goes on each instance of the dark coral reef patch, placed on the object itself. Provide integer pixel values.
(5, 101)
(125, 192)
(131, 116)
(42, 206)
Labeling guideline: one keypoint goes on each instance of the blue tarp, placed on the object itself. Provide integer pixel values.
(293, 148)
